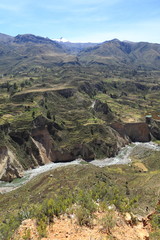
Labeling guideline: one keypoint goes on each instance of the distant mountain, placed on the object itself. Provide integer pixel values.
(5, 38)
(32, 38)
(25, 52)
(75, 48)
(115, 52)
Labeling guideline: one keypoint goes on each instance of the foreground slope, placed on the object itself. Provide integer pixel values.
(83, 188)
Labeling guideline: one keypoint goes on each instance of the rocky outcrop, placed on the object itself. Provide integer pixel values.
(136, 132)
(9, 166)
(105, 141)
(19, 137)
(101, 107)
(103, 111)
(68, 92)
(43, 145)
(47, 142)
(92, 89)
(87, 88)
(154, 126)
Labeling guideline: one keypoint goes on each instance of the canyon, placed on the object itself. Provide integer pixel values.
(74, 117)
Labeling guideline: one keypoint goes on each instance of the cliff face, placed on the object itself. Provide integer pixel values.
(136, 132)
(9, 165)
(154, 127)
(47, 143)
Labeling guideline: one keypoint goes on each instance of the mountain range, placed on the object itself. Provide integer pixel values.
(17, 53)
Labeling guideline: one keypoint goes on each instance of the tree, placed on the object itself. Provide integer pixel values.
(15, 86)
(33, 114)
(48, 114)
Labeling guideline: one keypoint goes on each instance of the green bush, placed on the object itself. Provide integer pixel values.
(42, 226)
(48, 209)
(156, 221)
(111, 195)
(154, 235)
(8, 227)
(84, 217)
(26, 213)
(108, 222)
(27, 234)
(84, 199)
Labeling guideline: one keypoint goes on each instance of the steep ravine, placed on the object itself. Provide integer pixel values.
(123, 157)
(48, 142)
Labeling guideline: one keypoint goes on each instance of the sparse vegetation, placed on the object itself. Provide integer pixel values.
(108, 222)
(83, 201)
(47, 98)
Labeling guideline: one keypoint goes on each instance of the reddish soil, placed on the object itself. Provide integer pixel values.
(67, 228)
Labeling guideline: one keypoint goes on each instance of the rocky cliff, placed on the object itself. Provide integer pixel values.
(47, 142)
(154, 126)
(136, 132)
(10, 168)
(41, 145)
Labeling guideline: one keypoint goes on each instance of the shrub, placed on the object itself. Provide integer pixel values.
(108, 222)
(25, 213)
(156, 221)
(42, 226)
(154, 235)
(84, 217)
(8, 227)
(84, 199)
(48, 209)
(27, 234)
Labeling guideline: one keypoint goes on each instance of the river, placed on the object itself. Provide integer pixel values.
(123, 157)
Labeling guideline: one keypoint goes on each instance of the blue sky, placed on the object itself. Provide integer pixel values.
(83, 20)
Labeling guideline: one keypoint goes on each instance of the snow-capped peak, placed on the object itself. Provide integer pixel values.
(60, 40)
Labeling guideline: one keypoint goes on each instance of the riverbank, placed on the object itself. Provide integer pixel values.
(125, 156)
